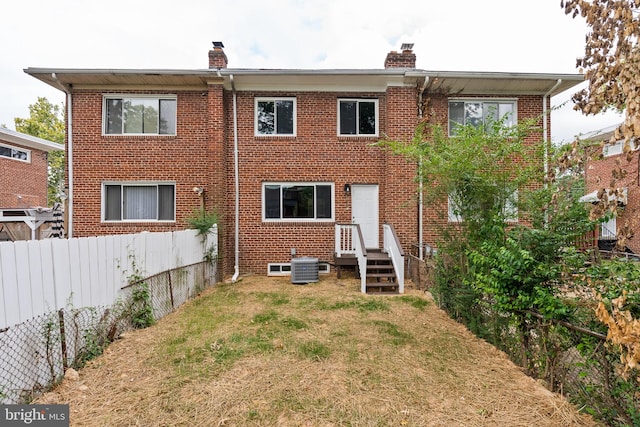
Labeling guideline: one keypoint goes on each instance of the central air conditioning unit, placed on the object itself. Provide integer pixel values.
(304, 270)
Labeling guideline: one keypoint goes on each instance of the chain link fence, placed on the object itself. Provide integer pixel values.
(35, 354)
(571, 357)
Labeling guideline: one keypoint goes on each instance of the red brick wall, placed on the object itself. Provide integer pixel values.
(202, 154)
(599, 175)
(315, 154)
(23, 184)
(182, 158)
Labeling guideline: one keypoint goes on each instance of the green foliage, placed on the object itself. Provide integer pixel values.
(140, 305)
(613, 278)
(46, 121)
(202, 221)
(93, 347)
(142, 309)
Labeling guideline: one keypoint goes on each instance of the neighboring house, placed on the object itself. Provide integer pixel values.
(612, 172)
(283, 156)
(23, 184)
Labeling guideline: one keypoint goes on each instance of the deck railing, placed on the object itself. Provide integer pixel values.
(349, 241)
(391, 245)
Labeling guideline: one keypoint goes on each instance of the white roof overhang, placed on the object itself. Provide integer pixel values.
(446, 82)
(607, 194)
(29, 141)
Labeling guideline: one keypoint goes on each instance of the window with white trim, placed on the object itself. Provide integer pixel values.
(480, 113)
(297, 201)
(509, 210)
(358, 117)
(139, 115)
(15, 153)
(275, 116)
(138, 201)
(617, 148)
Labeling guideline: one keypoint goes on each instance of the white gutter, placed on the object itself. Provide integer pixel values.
(69, 207)
(545, 126)
(236, 267)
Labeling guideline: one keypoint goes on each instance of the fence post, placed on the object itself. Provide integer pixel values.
(173, 307)
(63, 339)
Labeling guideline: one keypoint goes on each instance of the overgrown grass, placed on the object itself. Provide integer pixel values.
(278, 354)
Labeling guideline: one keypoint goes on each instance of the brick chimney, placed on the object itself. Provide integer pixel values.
(405, 59)
(217, 57)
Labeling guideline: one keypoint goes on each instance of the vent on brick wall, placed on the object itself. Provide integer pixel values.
(304, 270)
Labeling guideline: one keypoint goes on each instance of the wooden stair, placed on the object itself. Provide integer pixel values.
(381, 276)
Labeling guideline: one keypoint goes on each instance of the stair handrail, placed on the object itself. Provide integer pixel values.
(393, 248)
(349, 240)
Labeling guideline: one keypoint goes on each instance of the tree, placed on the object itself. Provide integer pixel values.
(611, 63)
(46, 121)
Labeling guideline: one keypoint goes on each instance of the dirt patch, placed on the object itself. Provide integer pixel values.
(265, 352)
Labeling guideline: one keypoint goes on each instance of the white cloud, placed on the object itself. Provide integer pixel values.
(466, 35)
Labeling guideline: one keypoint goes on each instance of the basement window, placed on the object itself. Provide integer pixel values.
(284, 268)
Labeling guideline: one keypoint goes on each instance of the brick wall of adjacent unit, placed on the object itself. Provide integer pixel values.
(315, 154)
(598, 175)
(182, 158)
(23, 184)
(435, 215)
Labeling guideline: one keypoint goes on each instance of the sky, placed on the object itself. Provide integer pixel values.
(462, 35)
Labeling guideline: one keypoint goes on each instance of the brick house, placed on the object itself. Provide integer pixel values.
(23, 169)
(611, 171)
(23, 185)
(283, 156)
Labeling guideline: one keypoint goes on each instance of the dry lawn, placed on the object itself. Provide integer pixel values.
(264, 352)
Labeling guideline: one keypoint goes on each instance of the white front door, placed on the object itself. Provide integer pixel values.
(364, 211)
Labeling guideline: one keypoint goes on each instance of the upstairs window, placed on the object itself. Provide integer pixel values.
(297, 201)
(358, 117)
(617, 148)
(139, 201)
(140, 115)
(275, 116)
(15, 153)
(479, 113)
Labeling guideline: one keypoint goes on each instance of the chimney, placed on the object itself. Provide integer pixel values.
(405, 59)
(217, 57)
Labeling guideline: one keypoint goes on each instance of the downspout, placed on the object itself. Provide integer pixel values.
(236, 268)
(545, 127)
(69, 207)
(421, 184)
(545, 139)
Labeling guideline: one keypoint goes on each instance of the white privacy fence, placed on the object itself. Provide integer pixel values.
(41, 276)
